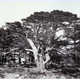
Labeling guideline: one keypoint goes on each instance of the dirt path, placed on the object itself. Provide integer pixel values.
(29, 73)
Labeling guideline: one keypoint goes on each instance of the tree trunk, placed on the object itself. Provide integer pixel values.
(35, 51)
(38, 57)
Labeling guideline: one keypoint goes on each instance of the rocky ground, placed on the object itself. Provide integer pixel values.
(30, 73)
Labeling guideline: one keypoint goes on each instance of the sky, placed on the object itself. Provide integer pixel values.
(15, 10)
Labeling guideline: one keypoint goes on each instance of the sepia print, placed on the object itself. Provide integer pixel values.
(44, 43)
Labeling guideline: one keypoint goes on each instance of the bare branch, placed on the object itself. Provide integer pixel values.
(59, 51)
(10, 51)
(29, 50)
(50, 48)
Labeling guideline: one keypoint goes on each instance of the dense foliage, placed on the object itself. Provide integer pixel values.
(41, 28)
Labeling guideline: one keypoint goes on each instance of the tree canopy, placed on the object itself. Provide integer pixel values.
(38, 31)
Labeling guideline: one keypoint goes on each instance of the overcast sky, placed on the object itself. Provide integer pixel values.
(11, 11)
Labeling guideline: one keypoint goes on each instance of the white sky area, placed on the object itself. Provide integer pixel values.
(11, 10)
(59, 33)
